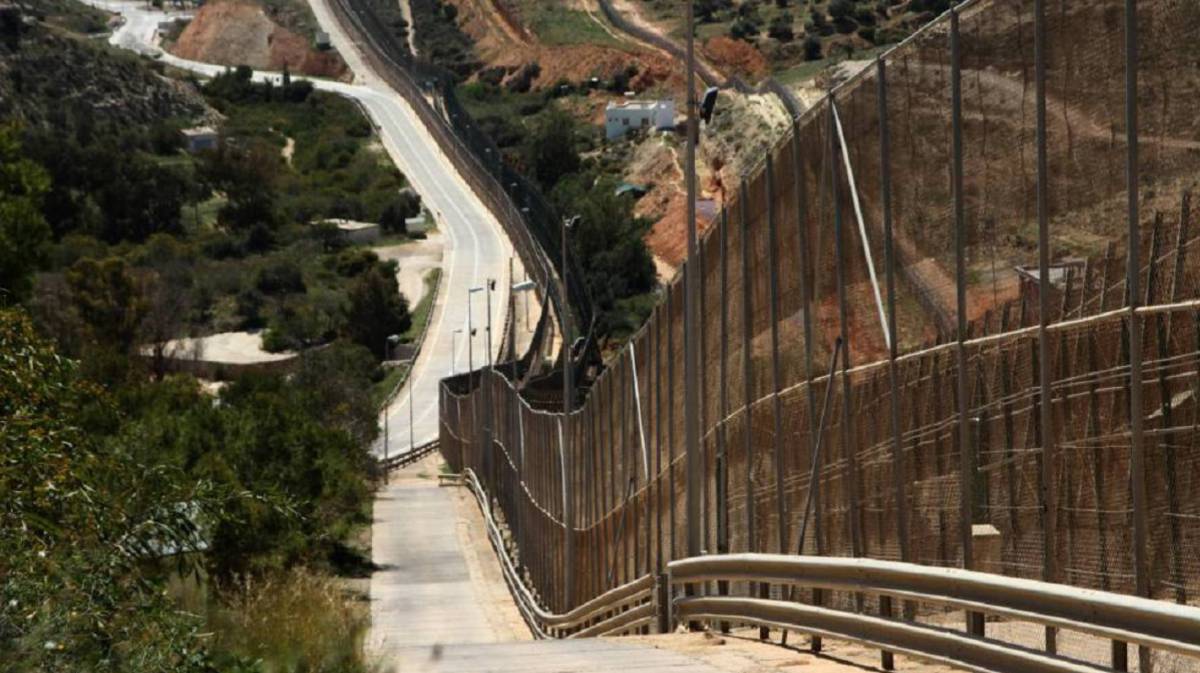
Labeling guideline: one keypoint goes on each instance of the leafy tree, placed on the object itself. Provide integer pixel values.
(812, 49)
(743, 28)
(109, 300)
(23, 231)
(549, 150)
(608, 243)
(377, 309)
(248, 175)
(781, 27)
(404, 206)
(83, 520)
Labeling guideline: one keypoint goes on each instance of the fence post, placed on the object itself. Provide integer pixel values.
(966, 477)
(747, 370)
(663, 599)
(691, 304)
(1045, 398)
(776, 374)
(722, 476)
(848, 450)
(1137, 465)
(564, 433)
(898, 474)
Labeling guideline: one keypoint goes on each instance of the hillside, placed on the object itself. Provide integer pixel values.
(49, 76)
(237, 32)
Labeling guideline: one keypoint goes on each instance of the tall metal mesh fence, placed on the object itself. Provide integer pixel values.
(787, 268)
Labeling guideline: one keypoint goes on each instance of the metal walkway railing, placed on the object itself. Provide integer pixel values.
(1157, 625)
(679, 595)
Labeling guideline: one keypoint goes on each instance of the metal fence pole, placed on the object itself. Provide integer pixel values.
(568, 400)
(747, 370)
(1137, 465)
(691, 393)
(722, 476)
(898, 473)
(776, 373)
(966, 475)
(1045, 399)
(889, 251)
(848, 448)
(658, 438)
(809, 374)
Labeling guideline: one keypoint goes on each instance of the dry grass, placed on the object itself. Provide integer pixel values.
(292, 621)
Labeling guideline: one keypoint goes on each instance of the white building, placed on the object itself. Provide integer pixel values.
(357, 232)
(638, 114)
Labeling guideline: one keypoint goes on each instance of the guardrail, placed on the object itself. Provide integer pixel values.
(409, 457)
(679, 595)
(624, 609)
(1124, 619)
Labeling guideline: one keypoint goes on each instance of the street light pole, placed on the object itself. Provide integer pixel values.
(568, 392)
(691, 355)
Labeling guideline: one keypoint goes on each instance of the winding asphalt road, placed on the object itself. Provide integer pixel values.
(477, 248)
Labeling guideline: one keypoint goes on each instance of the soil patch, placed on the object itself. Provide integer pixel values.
(240, 33)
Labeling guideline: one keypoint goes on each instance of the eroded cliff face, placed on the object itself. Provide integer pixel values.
(241, 33)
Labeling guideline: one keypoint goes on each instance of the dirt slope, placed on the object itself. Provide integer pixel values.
(240, 33)
(503, 41)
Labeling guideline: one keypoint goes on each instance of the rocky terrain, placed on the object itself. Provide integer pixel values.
(49, 75)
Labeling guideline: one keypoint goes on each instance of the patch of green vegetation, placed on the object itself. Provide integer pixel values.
(793, 33)
(556, 25)
(72, 15)
(420, 314)
(382, 389)
(437, 35)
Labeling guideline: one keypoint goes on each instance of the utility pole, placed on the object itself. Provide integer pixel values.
(691, 408)
(568, 393)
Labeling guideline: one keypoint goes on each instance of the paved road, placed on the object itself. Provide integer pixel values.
(476, 246)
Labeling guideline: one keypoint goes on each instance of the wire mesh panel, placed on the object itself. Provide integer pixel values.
(792, 439)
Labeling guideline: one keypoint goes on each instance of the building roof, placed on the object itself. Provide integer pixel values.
(637, 105)
(351, 225)
(200, 131)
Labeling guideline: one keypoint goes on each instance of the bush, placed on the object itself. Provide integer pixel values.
(743, 29)
(812, 49)
(781, 28)
(280, 277)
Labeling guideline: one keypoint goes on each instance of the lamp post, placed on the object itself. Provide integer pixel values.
(691, 361)
(454, 351)
(522, 287)
(471, 330)
(471, 359)
(568, 391)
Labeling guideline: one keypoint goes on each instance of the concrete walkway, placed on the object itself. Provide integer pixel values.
(439, 602)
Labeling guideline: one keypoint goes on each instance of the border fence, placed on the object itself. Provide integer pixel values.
(867, 357)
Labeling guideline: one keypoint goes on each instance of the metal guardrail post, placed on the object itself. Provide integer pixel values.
(662, 593)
